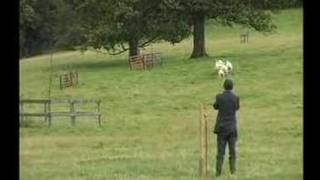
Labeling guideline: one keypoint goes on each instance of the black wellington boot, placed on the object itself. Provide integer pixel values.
(219, 166)
(232, 164)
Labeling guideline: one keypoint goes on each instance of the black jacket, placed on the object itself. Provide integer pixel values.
(227, 103)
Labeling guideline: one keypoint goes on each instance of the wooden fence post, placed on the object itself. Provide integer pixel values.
(60, 81)
(49, 113)
(200, 130)
(205, 141)
(203, 162)
(72, 113)
(98, 111)
(71, 79)
(143, 62)
(45, 111)
(77, 80)
(21, 113)
(247, 37)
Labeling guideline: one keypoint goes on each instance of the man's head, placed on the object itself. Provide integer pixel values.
(228, 84)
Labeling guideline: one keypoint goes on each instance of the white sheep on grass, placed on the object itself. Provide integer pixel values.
(223, 68)
(221, 73)
(219, 64)
(229, 66)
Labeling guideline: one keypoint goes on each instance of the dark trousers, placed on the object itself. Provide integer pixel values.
(222, 141)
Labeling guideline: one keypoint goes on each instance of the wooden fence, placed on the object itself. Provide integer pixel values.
(48, 114)
(136, 62)
(151, 60)
(69, 79)
(244, 37)
(145, 61)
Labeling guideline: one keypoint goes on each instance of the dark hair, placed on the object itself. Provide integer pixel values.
(228, 84)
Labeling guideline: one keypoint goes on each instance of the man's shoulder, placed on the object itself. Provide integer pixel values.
(234, 93)
(230, 94)
(227, 94)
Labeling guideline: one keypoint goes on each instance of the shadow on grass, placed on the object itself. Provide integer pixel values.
(94, 65)
(102, 64)
(284, 176)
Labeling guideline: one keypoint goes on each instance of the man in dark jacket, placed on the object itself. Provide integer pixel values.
(227, 103)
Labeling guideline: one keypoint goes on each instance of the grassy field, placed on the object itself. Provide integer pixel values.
(151, 118)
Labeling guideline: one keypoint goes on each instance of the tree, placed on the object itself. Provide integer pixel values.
(38, 23)
(277, 4)
(127, 25)
(28, 22)
(226, 12)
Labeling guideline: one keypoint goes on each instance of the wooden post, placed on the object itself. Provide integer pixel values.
(61, 82)
(98, 110)
(76, 73)
(244, 37)
(71, 79)
(50, 77)
(143, 62)
(205, 142)
(66, 80)
(247, 36)
(49, 113)
(203, 163)
(72, 113)
(152, 60)
(45, 111)
(200, 130)
(21, 113)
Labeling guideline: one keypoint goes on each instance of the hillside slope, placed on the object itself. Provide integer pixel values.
(151, 118)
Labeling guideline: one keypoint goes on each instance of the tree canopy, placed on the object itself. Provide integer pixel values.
(127, 25)
(118, 26)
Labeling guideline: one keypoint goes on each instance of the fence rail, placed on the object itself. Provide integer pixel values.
(48, 114)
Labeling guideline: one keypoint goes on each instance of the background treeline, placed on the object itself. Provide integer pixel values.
(45, 25)
(280, 4)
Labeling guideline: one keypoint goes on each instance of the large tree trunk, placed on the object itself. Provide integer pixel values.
(199, 49)
(134, 47)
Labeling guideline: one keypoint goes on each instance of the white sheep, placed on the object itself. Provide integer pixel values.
(221, 73)
(223, 68)
(229, 66)
(219, 64)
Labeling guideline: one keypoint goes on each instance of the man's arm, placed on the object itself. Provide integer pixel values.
(238, 103)
(215, 104)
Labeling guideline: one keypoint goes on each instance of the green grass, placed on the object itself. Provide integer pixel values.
(151, 118)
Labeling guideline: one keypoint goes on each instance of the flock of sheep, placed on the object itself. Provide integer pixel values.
(223, 68)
